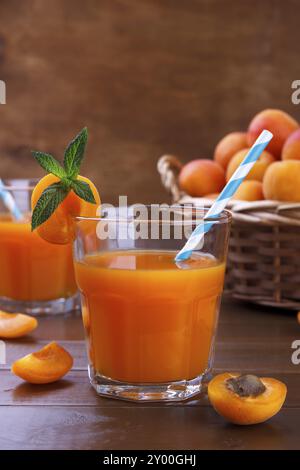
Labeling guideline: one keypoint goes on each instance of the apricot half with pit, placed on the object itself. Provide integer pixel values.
(47, 365)
(246, 399)
(16, 325)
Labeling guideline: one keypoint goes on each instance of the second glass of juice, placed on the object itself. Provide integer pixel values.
(35, 276)
(150, 322)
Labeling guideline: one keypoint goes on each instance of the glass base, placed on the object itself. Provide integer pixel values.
(53, 307)
(170, 391)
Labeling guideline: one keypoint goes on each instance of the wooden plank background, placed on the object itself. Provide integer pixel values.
(146, 76)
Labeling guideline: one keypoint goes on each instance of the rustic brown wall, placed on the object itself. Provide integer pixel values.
(146, 76)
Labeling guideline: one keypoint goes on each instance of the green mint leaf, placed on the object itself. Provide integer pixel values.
(49, 164)
(49, 200)
(83, 190)
(74, 154)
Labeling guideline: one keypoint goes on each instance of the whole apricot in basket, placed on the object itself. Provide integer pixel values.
(47, 365)
(229, 146)
(246, 399)
(249, 191)
(200, 177)
(276, 121)
(291, 148)
(258, 170)
(282, 181)
(212, 196)
(63, 194)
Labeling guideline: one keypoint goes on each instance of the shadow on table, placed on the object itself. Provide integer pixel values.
(268, 435)
(33, 390)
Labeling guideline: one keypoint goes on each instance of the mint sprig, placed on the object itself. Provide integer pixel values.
(54, 194)
(83, 190)
(47, 203)
(74, 154)
(49, 164)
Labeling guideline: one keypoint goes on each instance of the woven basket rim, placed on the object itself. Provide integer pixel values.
(267, 212)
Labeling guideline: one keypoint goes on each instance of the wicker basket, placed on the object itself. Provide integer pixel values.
(264, 249)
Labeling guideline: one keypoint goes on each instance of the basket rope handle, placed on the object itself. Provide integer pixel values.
(169, 167)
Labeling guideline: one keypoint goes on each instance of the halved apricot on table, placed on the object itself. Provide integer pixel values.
(16, 325)
(60, 227)
(47, 365)
(246, 399)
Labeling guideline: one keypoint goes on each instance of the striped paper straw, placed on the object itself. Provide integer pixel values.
(9, 202)
(237, 178)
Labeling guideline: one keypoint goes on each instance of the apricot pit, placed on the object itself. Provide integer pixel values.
(246, 385)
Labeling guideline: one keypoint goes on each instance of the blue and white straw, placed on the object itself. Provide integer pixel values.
(9, 202)
(237, 178)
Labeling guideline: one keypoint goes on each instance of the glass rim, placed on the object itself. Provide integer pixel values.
(28, 184)
(224, 217)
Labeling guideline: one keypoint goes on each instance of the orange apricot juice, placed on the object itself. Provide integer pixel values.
(30, 268)
(147, 319)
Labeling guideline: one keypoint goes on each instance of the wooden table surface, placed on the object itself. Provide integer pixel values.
(69, 414)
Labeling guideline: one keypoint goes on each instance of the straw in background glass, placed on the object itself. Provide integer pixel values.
(10, 203)
(237, 178)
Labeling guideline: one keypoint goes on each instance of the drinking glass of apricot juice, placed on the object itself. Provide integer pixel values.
(35, 276)
(150, 322)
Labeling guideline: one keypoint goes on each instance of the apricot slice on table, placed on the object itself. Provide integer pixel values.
(246, 399)
(60, 227)
(16, 325)
(47, 365)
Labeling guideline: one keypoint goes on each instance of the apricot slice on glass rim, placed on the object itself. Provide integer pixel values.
(16, 325)
(47, 365)
(246, 399)
(63, 194)
(60, 228)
